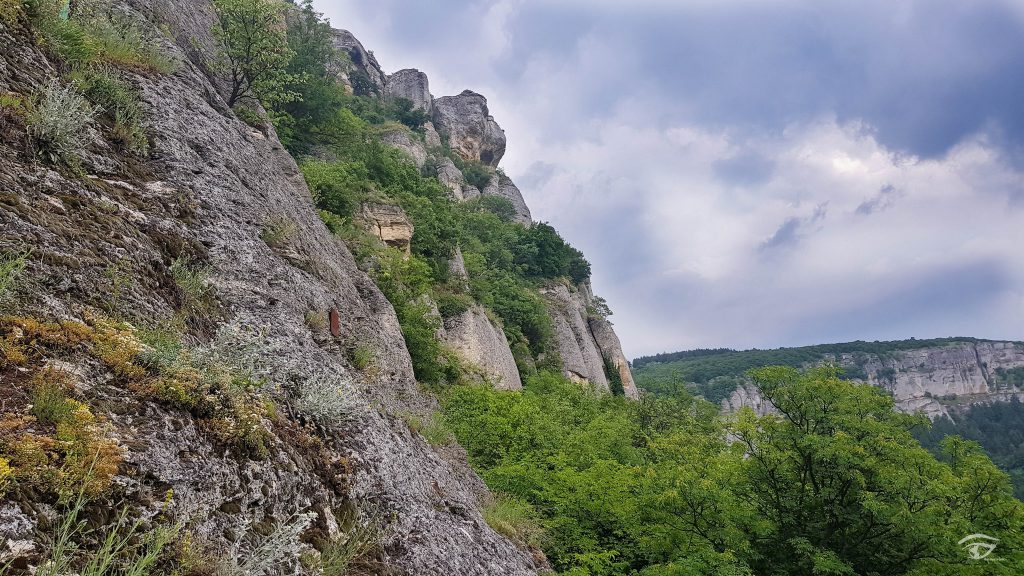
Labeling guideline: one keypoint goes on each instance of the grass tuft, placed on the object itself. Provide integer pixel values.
(514, 519)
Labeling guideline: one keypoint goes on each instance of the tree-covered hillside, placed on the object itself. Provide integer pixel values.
(715, 373)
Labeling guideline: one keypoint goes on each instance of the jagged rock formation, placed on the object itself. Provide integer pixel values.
(412, 85)
(477, 339)
(208, 184)
(931, 380)
(502, 187)
(389, 223)
(611, 349)
(471, 130)
(586, 340)
(366, 77)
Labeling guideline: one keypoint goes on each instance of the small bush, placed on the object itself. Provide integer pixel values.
(12, 266)
(250, 116)
(277, 232)
(362, 356)
(50, 402)
(120, 104)
(192, 279)
(351, 552)
(316, 321)
(452, 305)
(60, 122)
(514, 519)
(281, 548)
(10, 10)
(326, 398)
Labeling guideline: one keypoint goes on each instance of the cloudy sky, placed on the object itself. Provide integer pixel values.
(753, 173)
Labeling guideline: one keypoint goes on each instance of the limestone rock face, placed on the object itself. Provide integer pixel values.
(502, 186)
(405, 141)
(366, 78)
(412, 85)
(931, 380)
(471, 131)
(481, 342)
(580, 353)
(610, 347)
(452, 177)
(389, 223)
(209, 183)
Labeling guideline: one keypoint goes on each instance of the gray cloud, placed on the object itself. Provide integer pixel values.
(881, 201)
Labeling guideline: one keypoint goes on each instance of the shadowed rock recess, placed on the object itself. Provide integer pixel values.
(224, 202)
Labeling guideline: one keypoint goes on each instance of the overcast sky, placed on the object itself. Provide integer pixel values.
(753, 173)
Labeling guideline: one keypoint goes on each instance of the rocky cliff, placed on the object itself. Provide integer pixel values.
(587, 342)
(105, 236)
(933, 380)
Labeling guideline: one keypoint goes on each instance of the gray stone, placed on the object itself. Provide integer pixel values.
(611, 349)
(364, 64)
(581, 356)
(412, 85)
(449, 175)
(502, 187)
(481, 342)
(469, 127)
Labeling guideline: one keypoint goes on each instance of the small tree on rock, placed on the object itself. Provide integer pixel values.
(254, 41)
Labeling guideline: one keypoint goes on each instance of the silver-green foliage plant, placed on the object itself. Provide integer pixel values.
(270, 555)
(61, 122)
(326, 398)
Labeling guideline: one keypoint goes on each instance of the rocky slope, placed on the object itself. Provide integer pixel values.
(207, 189)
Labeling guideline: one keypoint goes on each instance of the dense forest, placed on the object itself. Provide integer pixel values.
(998, 427)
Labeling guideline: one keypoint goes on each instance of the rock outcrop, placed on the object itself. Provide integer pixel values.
(412, 85)
(469, 127)
(389, 223)
(503, 187)
(581, 356)
(209, 183)
(611, 349)
(931, 380)
(366, 77)
(407, 142)
(481, 342)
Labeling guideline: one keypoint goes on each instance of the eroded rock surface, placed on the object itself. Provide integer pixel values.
(389, 223)
(503, 187)
(412, 85)
(480, 341)
(471, 130)
(581, 356)
(366, 78)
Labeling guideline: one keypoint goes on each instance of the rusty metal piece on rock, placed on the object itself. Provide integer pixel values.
(335, 322)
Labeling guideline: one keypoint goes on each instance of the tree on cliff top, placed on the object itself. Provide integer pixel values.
(255, 50)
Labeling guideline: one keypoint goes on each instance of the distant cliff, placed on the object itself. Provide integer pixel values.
(930, 376)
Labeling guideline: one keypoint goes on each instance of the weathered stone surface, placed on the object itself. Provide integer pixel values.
(610, 347)
(209, 184)
(581, 356)
(389, 223)
(407, 142)
(452, 177)
(502, 186)
(471, 131)
(432, 137)
(479, 341)
(926, 380)
(412, 85)
(457, 266)
(366, 78)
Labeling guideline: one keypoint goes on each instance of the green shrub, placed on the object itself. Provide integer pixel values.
(50, 402)
(452, 305)
(250, 116)
(515, 519)
(10, 10)
(118, 102)
(338, 187)
(12, 266)
(60, 122)
(193, 282)
(362, 356)
(278, 232)
(255, 51)
(476, 173)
